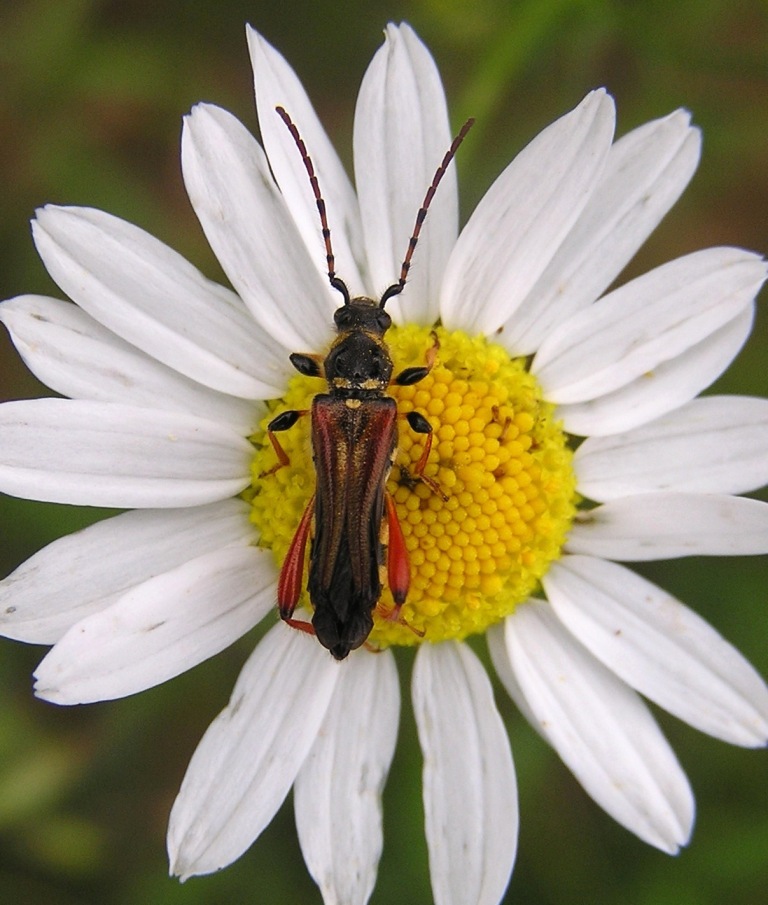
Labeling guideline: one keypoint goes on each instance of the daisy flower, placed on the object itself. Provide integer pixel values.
(567, 439)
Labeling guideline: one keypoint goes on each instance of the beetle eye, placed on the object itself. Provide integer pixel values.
(383, 320)
(342, 317)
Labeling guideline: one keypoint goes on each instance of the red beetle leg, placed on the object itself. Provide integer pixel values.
(282, 422)
(292, 572)
(420, 425)
(282, 456)
(398, 567)
(422, 464)
(301, 625)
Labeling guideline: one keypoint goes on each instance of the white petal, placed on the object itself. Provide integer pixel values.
(85, 572)
(716, 444)
(401, 135)
(600, 728)
(660, 647)
(104, 454)
(525, 215)
(251, 230)
(337, 795)
(645, 173)
(75, 356)
(470, 792)
(669, 525)
(277, 84)
(646, 322)
(161, 628)
(664, 389)
(248, 759)
(150, 296)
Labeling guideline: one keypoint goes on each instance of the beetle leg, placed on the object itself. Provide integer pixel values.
(398, 568)
(308, 364)
(292, 572)
(281, 422)
(301, 625)
(420, 425)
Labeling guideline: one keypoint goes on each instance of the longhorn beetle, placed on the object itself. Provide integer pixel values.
(354, 443)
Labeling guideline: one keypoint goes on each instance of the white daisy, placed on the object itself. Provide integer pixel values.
(168, 376)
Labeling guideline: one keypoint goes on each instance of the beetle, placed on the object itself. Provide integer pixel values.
(354, 445)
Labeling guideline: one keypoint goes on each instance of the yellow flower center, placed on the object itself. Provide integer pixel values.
(497, 455)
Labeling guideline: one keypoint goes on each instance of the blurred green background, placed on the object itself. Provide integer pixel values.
(91, 96)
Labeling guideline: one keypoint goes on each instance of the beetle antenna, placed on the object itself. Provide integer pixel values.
(336, 282)
(397, 288)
